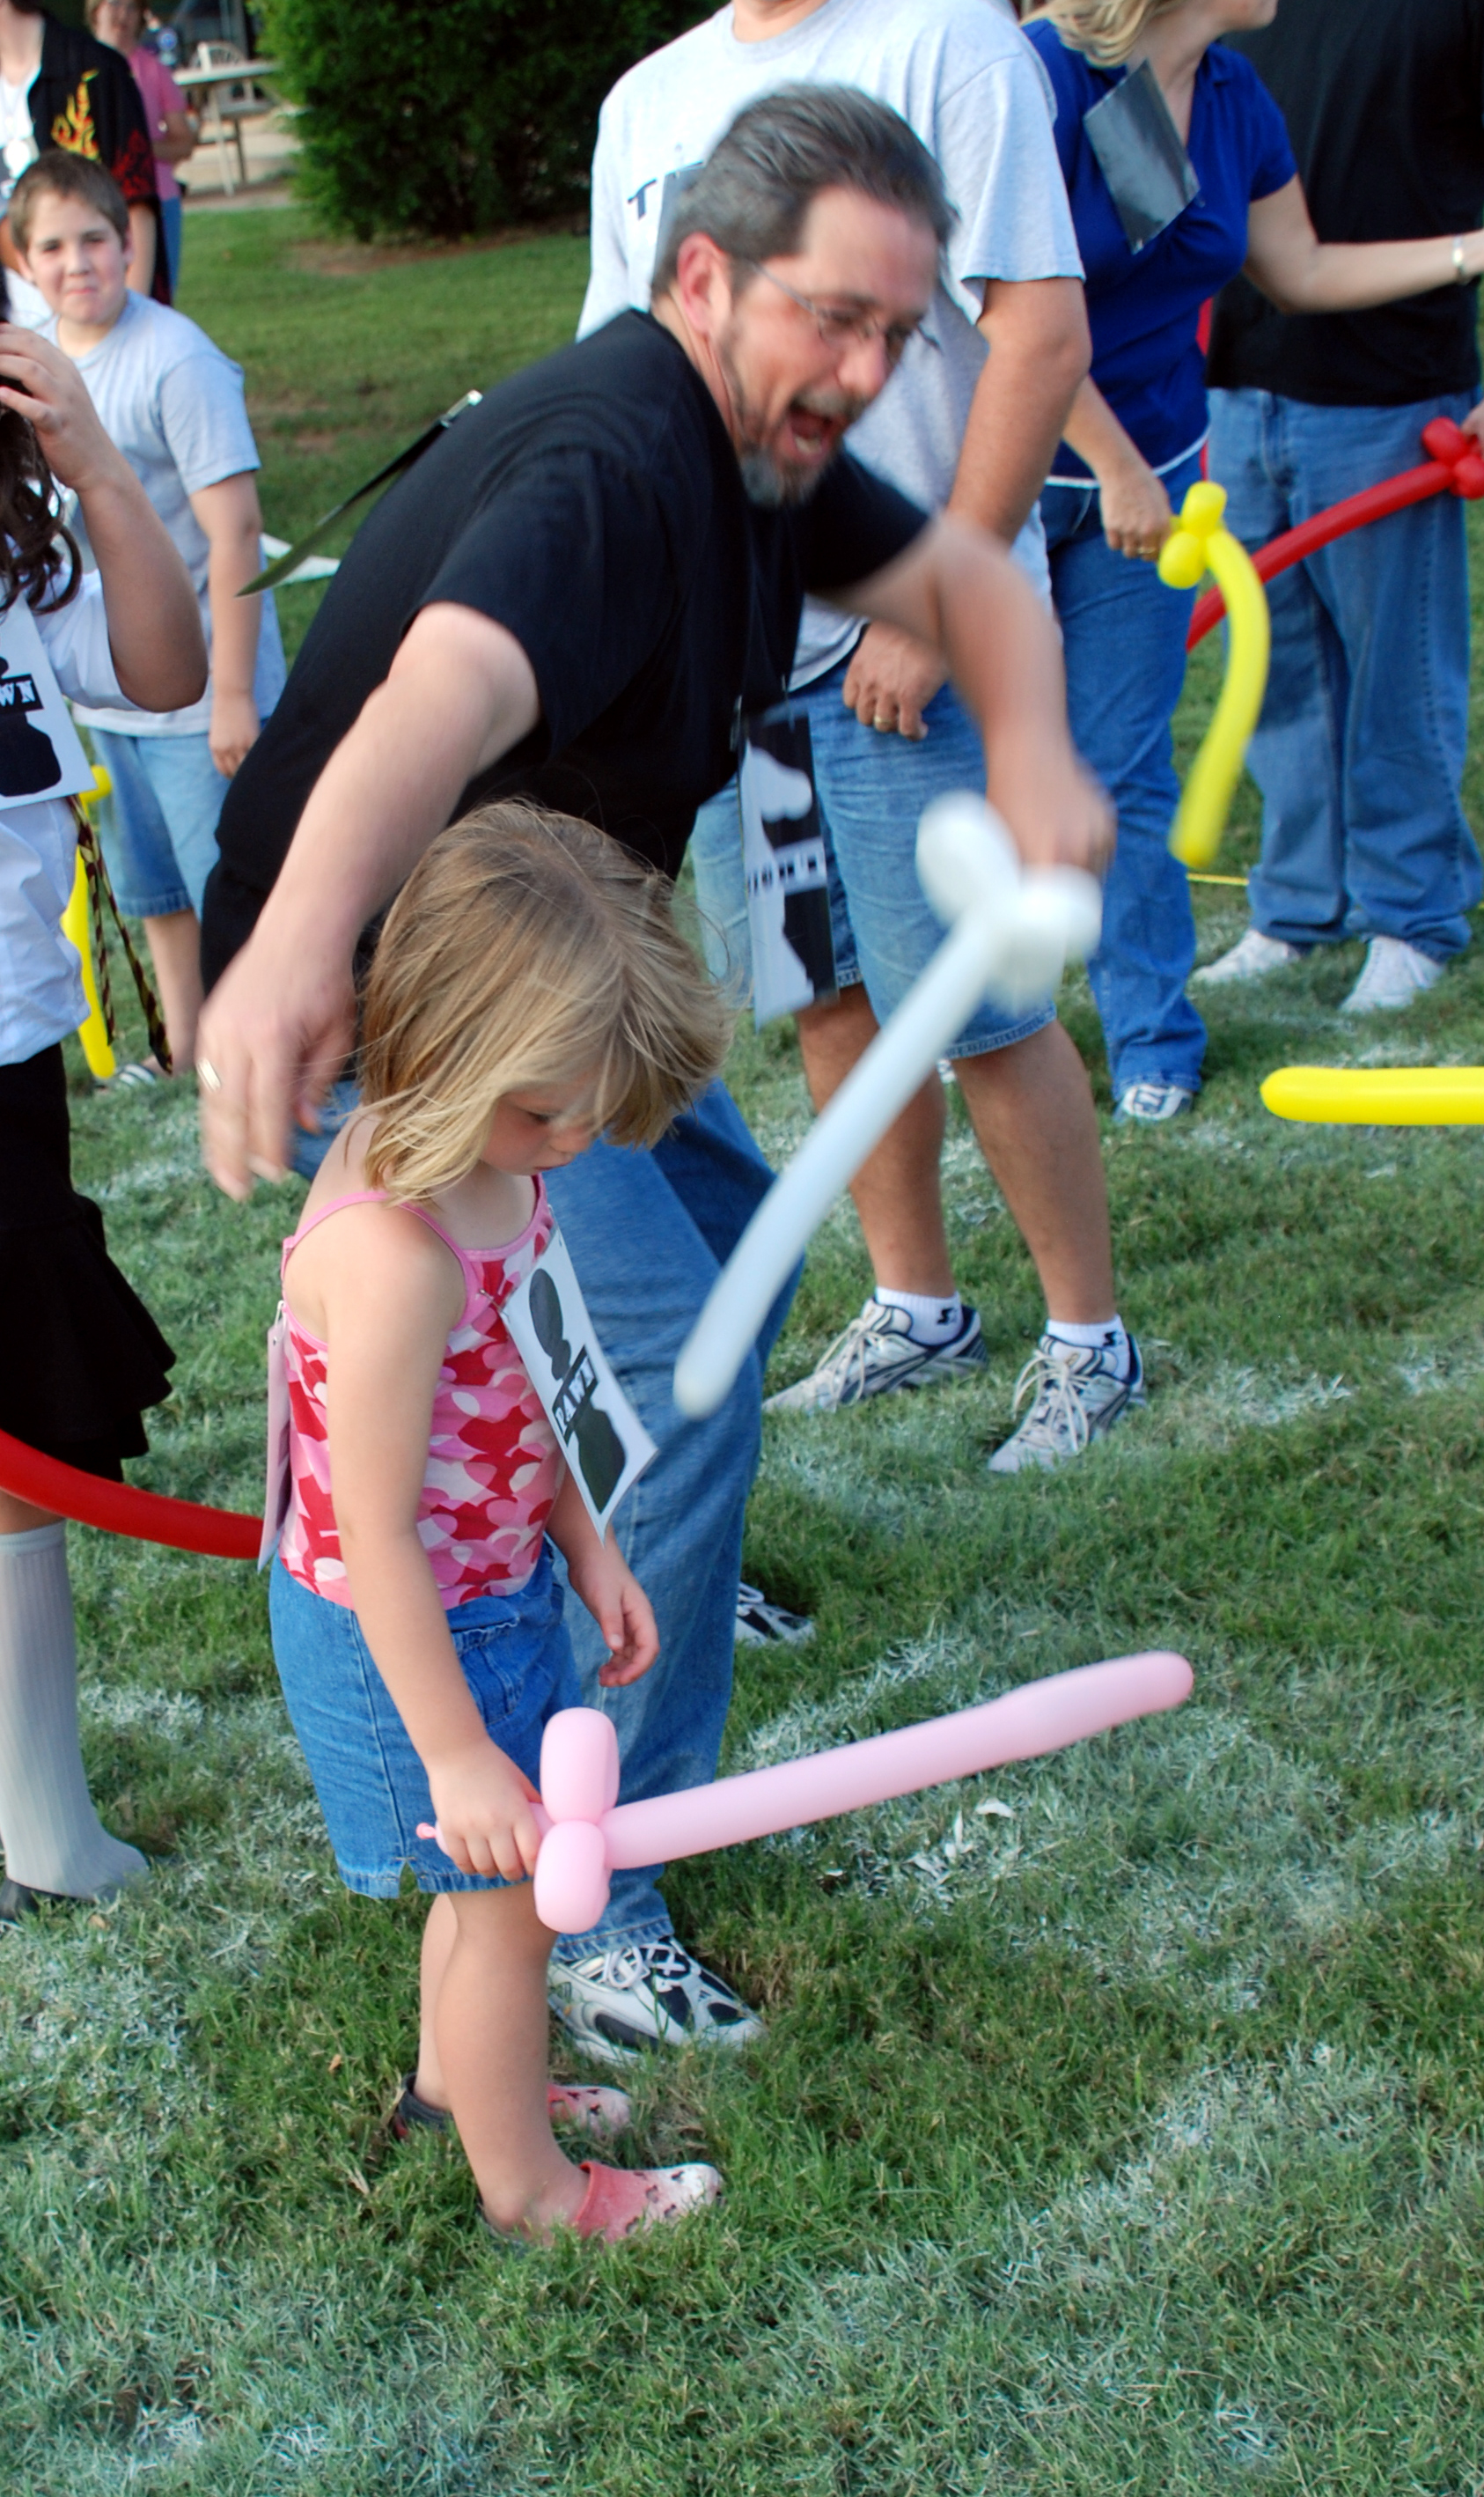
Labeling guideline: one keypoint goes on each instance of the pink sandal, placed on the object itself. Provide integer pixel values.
(620, 2201)
(602, 2114)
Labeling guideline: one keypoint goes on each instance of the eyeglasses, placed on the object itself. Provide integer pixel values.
(841, 328)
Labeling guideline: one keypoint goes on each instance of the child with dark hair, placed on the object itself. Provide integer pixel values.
(61, 88)
(79, 1356)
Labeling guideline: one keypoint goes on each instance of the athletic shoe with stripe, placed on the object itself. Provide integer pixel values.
(760, 1623)
(1076, 1396)
(878, 1353)
(620, 2002)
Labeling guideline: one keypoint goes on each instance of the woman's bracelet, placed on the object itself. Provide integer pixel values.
(1460, 266)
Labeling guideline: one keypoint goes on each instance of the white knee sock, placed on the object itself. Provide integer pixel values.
(53, 1838)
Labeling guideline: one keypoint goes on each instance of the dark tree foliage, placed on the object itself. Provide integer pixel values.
(455, 116)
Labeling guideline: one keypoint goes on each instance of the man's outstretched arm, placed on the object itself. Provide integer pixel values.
(281, 1020)
(1039, 351)
(958, 592)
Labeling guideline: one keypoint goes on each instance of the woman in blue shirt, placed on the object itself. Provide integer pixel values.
(1158, 237)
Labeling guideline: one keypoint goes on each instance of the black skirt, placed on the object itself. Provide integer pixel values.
(80, 1357)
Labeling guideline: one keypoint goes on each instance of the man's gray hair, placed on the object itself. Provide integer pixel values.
(755, 190)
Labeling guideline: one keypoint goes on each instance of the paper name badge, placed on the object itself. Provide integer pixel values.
(597, 1429)
(1142, 157)
(40, 753)
(783, 865)
(277, 1487)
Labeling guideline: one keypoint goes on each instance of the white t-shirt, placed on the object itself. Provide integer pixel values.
(174, 405)
(41, 980)
(963, 76)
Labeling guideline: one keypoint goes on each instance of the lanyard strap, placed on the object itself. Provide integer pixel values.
(98, 890)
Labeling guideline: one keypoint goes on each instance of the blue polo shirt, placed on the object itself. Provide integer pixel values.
(1143, 307)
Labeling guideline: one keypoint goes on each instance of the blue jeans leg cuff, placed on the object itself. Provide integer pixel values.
(569, 1948)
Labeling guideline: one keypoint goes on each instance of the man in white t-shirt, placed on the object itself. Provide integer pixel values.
(970, 422)
(174, 405)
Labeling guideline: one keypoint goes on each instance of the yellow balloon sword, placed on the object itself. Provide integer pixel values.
(1199, 544)
(1379, 1097)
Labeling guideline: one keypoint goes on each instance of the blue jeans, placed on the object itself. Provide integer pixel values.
(172, 227)
(372, 1787)
(1360, 749)
(158, 825)
(871, 790)
(1125, 639)
(649, 1233)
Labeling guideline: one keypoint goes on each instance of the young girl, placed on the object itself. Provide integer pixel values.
(530, 990)
(79, 1356)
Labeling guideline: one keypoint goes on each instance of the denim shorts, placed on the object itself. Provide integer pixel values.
(517, 1660)
(158, 825)
(871, 791)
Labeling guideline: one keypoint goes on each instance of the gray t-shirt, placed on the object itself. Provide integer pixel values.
(174, 405)
(964, 77)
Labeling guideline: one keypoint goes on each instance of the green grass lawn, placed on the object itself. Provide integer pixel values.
(1119, 2126)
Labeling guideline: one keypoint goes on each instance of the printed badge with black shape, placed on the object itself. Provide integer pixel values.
(40, 753)
(596, 1428)
(783, 866)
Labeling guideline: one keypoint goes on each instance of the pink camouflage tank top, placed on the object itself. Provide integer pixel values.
(494, 1465)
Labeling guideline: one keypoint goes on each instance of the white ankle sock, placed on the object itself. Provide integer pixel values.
(936, 1318)
(53, 1838)
(1107, 1335)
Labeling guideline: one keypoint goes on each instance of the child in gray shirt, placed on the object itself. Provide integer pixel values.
(174, 405)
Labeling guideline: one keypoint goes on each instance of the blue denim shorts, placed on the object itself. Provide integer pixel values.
(158, 824)
(871, 790)
(372, 1788)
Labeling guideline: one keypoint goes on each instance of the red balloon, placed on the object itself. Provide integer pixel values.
(120, 1509)
(1454, 466)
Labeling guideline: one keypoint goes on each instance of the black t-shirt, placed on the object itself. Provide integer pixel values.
(1384, 101)
(593, 505)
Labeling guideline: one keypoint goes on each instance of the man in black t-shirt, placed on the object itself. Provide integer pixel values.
(1360, 749)
(575, 594)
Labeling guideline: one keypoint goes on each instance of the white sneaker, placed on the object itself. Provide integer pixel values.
(640, 1995)
(1395, 973)
(763, 1624)
(1151, 1104)
(1076, 1395)
(877, 1351)
(1251, 958)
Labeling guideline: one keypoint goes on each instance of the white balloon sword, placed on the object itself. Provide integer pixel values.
(1013, 930)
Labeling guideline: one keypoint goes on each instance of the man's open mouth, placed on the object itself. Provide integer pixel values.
(810, 433)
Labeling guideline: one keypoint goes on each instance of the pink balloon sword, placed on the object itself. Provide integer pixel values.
(587, 1834)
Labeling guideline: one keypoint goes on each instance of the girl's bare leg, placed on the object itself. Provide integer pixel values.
(175, 950)
(439, 1935)
(491, 2034)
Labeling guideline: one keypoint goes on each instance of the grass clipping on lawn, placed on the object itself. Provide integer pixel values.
(1117, 2128)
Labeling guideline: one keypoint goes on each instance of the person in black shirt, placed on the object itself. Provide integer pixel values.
(1360, 749)
(577, 594)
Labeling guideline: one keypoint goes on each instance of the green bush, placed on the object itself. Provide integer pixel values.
(454, 116)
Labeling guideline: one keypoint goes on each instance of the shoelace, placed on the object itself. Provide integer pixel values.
(631, 1964)
(1057, 1402)
(844, 1363)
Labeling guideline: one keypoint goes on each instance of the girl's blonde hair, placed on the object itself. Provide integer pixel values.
(524, 950)
(1106, 30)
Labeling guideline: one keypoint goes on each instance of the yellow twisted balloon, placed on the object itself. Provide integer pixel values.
(1197, 545)
(93, 1034)
(1379, 1097)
